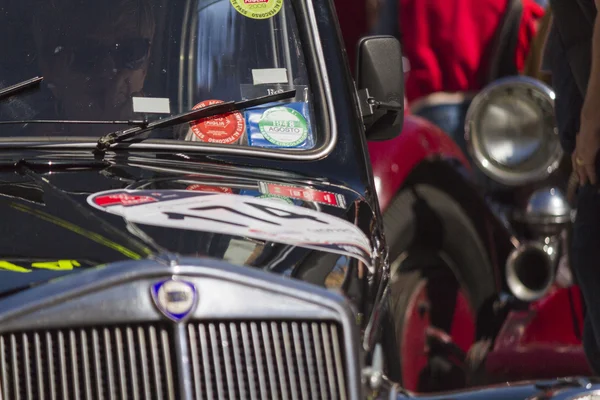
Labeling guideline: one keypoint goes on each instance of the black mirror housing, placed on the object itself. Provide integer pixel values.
(380, 84)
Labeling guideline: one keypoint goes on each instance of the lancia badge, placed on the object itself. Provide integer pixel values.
(175, 298)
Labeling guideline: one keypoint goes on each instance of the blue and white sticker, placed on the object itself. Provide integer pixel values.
(231, 214)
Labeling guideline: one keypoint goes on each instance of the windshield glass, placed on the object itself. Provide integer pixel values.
(120, 60)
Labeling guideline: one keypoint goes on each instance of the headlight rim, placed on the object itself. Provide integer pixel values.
(483, 160)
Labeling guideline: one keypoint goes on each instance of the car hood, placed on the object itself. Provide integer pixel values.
(63, 216)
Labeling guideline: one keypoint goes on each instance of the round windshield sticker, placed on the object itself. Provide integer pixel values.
(257, 9)
(276, 198)
(283, 126)
(213, 189)
(224, 129)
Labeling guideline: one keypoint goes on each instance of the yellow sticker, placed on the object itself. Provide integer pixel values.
(8, 266)
(257, 9)
(60, 265)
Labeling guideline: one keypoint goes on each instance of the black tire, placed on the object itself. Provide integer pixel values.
(437, 241)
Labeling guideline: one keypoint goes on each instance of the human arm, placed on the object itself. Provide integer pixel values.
(588, 139)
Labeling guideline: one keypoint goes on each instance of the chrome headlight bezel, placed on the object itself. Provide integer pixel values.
(475, 134)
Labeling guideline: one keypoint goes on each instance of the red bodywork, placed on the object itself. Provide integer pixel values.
(541, 342)
(394, 159)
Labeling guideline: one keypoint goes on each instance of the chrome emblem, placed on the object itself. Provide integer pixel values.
(175, 298)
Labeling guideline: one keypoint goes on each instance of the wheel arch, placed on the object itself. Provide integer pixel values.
(453, 181)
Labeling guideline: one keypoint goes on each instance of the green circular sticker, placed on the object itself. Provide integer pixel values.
(257, 9)
(276, 198)
(283, 126)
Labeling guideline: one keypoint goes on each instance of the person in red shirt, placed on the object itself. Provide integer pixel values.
(450, 43)
(456, 47)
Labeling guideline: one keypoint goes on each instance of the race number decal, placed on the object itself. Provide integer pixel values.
(231, 214)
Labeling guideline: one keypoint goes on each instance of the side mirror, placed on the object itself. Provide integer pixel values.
(380, 84)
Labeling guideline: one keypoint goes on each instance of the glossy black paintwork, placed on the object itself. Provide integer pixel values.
(45, 217)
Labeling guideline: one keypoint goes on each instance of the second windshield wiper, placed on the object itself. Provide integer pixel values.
(20, 87)
(222, 108)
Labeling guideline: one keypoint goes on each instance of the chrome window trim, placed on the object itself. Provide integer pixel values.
(330, 131)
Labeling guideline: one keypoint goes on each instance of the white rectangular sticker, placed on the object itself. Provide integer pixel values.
(157, 105)
(237, 215)
(269, 75)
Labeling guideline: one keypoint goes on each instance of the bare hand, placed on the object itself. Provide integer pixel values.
(584, 157)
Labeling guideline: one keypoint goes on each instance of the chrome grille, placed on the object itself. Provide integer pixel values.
(267, 360)
(125, 362)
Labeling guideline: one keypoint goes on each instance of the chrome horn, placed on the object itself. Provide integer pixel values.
(530, 270)
(531, 267)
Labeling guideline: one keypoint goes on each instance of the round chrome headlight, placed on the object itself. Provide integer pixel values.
(511, 132)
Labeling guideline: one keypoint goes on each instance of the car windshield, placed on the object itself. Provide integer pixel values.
(123, 60)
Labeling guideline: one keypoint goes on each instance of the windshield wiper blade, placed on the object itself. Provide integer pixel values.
(222, 108)
(19, 87)
(134, 122)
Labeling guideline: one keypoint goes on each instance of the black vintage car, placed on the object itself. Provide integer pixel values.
(188, 210)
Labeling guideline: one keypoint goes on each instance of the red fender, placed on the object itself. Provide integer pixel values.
(394, 159)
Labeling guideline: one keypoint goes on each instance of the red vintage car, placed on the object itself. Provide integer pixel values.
(482, 290)
(478, 242)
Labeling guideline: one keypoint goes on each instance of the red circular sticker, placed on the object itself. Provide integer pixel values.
(224, 129)
(216, 189)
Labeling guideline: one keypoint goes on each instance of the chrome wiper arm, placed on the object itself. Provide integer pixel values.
(19, 87)
(222, 108)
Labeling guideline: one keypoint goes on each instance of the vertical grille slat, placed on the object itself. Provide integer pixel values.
(196, 370)
(5, 368)
(237, 358)
(247, 346)
(287, 347)
(214, 348)
(279, 357)
(27, 362)
(121, 363)
(63, 366)
(155, 363)
(109, 364)
(87, 363)
(39, 366)
(15, 366)
(135, 387)
(257, 339)
(50, 359)
(227, 361)
(74, 364)
(299, 359)
(310, 363)
(328, 361)
(144, 359)
(86, 367)
(167, 363)
(337, 353)
(316, 334)
(96, 354)
(205, 362)
(267, 360)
